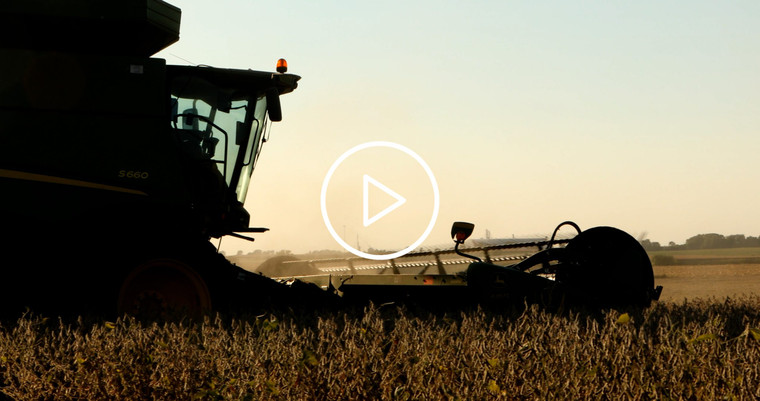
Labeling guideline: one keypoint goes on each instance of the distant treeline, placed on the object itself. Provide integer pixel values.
(707, 241)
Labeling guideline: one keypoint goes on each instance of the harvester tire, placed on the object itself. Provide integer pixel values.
(610, 267)
(162, 289)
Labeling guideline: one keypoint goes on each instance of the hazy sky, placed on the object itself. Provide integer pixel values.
(640, 115)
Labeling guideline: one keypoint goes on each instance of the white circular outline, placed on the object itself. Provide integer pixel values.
(386, 144)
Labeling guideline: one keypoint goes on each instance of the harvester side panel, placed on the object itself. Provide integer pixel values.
(74, 123)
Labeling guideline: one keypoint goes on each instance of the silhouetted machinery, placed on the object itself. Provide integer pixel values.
(599, 267)
(115, 168)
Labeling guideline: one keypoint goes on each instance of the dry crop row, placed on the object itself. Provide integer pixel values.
(699, 349)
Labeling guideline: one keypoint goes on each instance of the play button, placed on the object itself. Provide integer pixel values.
(379, 200)
(400, 200)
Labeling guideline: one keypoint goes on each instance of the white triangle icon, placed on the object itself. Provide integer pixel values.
(400, 200)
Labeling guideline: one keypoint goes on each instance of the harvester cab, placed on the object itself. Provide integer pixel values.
(220, 130)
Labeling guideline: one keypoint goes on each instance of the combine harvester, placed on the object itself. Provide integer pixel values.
(116, 170)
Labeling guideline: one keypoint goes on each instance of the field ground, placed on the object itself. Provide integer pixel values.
(702, 254)
(694, 345)
(695, 350)
(707, 273)
(706, 281)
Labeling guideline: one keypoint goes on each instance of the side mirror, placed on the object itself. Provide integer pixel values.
(461, 230)
(273, 105)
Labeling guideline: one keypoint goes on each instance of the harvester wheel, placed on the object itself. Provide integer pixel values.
(164, 289)
(610, 266)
